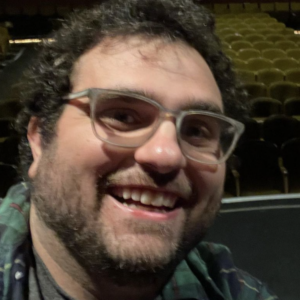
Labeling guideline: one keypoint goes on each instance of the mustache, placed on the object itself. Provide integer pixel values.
(177, 183)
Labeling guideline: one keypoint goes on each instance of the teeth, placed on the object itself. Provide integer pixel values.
(169, 201)
(132, 206)
(146, 197)
(158, 200)
(136, 195)
(126, 194)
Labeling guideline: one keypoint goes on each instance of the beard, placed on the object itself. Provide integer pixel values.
(73, 208)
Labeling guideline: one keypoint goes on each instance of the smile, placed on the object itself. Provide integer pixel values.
(146, 199)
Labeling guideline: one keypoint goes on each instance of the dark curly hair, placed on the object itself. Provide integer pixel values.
(48, 79)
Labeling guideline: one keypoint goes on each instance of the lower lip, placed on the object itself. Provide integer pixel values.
(143, 214)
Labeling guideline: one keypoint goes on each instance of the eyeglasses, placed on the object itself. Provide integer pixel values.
(129, 120)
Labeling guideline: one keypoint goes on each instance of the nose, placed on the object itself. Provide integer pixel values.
(162, 152)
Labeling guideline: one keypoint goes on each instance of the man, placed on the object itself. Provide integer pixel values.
(127, 124)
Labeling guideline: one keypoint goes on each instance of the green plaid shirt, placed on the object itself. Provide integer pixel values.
(207, 273)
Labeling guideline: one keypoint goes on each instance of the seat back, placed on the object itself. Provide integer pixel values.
(284, 90)
(239, 64)
(259, 170)
(238, 45)
(273, 53)
(279, 129)
(274, 37)
(284, 45)
(263, 45)
(232, 38)
(251, 132)
(246, 54)
(246, 75)
(290, 151)
(256, 89)
(254, 38)
(293, 53)
(292, 107)
(294, 38)
(264, 107)
(293, 75)
(268, 76)
(230, 53)
(285, 63)
(256, 64)
(246, 31)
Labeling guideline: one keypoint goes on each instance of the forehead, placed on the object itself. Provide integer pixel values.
(173, 72)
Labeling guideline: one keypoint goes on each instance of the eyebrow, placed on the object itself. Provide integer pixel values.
(190, 104)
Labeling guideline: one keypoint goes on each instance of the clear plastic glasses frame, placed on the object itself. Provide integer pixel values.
(129, 140)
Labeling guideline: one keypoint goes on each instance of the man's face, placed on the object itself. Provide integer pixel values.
(80, 183)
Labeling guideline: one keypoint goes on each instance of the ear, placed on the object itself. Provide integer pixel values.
(34, 138)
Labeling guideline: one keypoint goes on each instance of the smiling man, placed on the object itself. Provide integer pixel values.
(129, 117)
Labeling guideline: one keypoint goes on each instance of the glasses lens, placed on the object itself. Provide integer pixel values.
(124, 120)
(206, 138)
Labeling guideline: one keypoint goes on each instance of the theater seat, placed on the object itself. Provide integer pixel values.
(284, 90)
(263, 45)
(232, 38)
(273, 53)
(284, 45)
(294, 38)
(240, 64)
(252, 130)
(293, 53)
(230, 53)
(269, 76)
(293, 75)
(246, 54)
(236, 7)
(291, 160)
(258, 26)
(226, 31)
(246, 31)
(246, 75)
(238, 45)
(286, 63)
(220, 8)
(254, 38)
(267, 6)
(259, 170)
(292, 108)
(274, 37)
(256, 64)
(255, 89)
(279, 129)
(264, 107)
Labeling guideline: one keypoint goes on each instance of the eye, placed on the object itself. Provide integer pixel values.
(196, 131)
(196, 135)
(120, 119)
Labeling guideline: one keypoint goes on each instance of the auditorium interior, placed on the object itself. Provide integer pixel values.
(260, 211)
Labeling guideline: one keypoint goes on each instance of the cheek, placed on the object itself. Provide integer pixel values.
(209, 181)
(79, 147)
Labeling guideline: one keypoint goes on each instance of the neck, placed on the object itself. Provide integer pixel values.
(78, 282)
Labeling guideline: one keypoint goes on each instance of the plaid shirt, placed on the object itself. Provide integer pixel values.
(207, 273)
